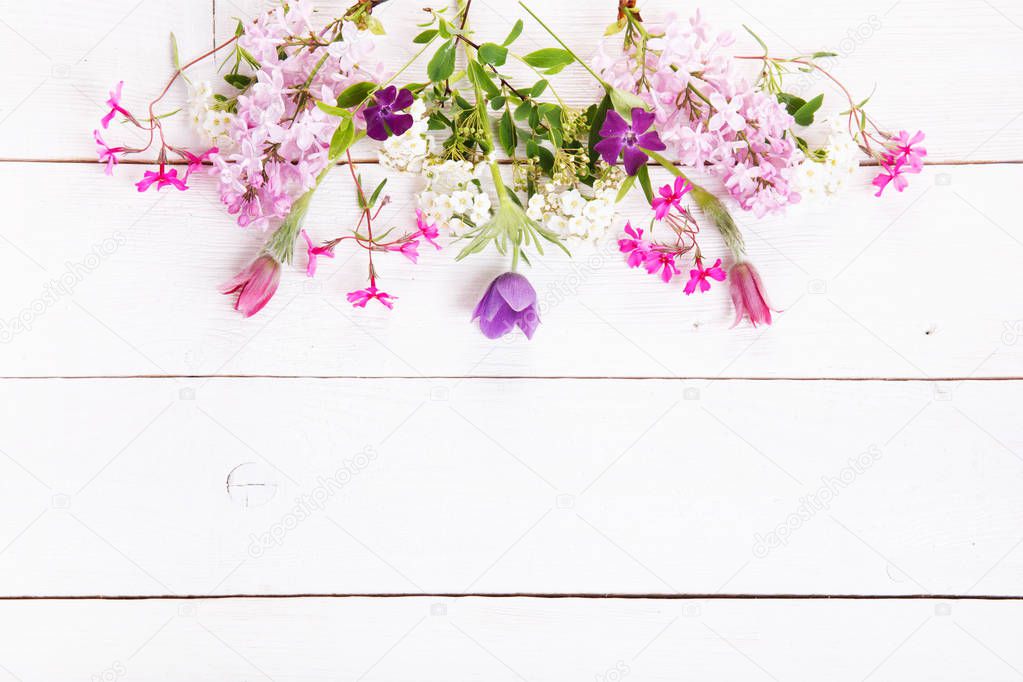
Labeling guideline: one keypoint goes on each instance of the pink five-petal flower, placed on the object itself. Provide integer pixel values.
(427, 230)
(409, 249)
(360, 298)
(162, 178)
(313, 252)
(698, 276)
(114, 102)
(670, 196)
(107, 154)
(891, 171)
(635, 246)
(748, 294)
(195, 162)
(663, 261)
(255, 285)
(910, 148)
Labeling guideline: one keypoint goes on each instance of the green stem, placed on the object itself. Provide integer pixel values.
(282, 243)
(562, 43)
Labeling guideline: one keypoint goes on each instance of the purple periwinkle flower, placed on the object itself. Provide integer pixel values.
(384, 118)
(621, 136)
(510, 300)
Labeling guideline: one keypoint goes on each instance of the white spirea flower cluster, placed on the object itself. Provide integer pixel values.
(212, 125)
(816, 180)
(407, 152)
(568, 213)
(454, 197)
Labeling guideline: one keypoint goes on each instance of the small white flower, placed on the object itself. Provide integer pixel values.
(461, 202)
(556, 223)
(536, 207)
(572, 203)
(442, 207)
(579, 227)
(482, 202)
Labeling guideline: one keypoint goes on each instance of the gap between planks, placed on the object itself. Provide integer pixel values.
(488, 377)
(374, 161)
(524, 595)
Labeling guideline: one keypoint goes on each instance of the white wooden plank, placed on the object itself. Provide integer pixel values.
(914, 285)
(65, 58)
(515, 639)
(497, 486)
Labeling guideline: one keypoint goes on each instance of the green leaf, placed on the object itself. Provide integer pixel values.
(376, 194)
(804, 114)
(596, 124)
(522, 111)
(644, 181)
(355, 94)
(478, 75)
(546, 158)
(549, 58)
(492, 53)
(237, 80)
(442, 64)
(507, 135)
(175, 55)
(498, 102)
(515, 33)
(239, 29)
(332, 110)
(538, 88)
(791, 102)
(343, 138)
(626, 186)
(425, 37)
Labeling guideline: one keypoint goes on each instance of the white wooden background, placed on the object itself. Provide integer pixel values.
(606, 494)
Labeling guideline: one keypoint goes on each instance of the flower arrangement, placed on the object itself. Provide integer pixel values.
(299, 93)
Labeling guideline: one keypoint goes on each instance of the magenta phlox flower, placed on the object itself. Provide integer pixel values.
(669, 196)
(699, 275)
(162, 178)
(107, 154)
(114, 102)
(360, 298)
(313, 252)
(635, 246)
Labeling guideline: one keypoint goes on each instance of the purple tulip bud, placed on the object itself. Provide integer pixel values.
(510, 300)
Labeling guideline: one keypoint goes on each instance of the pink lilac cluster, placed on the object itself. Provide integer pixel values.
(903, 154)
(282, 139)
(708, 114)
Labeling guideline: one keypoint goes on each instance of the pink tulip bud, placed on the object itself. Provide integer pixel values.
(748, 295)
(256, 284)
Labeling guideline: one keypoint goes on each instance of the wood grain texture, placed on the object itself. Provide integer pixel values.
(520, 639)
(498, 486)
(915, 286)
